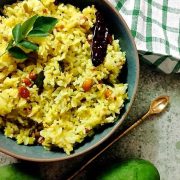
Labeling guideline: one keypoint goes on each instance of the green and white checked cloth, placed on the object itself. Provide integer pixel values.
(155, 26)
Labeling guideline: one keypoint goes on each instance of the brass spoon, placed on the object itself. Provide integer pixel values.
(156, 107)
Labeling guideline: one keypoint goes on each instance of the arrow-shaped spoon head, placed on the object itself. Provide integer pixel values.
(159, 104)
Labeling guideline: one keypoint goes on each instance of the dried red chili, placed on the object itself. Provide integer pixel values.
(101, 38)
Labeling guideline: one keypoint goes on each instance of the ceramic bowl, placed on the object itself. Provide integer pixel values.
(130, 75)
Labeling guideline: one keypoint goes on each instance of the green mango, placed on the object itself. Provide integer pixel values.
(133, 169)
(19, 171)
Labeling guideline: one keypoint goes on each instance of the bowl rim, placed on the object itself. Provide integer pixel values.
(22, 157)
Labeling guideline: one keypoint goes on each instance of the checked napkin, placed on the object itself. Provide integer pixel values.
(155, 26)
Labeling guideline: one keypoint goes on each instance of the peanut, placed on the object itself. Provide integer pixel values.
(26, 8)
(87, 84)
(60, 28)
(107, 93)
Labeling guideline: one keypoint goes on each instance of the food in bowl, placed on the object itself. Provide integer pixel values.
(59, 69)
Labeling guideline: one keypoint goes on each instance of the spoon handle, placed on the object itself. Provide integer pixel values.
(110, 144)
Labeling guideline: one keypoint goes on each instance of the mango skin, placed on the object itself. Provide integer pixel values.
(19, 172)
(132, 169)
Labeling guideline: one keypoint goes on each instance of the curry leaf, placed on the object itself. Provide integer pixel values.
(39, 80)
(18, 53)
(28, 25)
(29, 45)
(36, 26)
(37, 33)
(45, 24)
(17, 33)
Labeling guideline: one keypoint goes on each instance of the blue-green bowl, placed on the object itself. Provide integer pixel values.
(130, 75)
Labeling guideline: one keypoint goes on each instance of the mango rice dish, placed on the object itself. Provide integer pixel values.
(59, 73)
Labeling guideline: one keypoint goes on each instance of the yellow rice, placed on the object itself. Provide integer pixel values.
(66, 113)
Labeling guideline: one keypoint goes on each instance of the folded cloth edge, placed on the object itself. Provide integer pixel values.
(167, 63)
